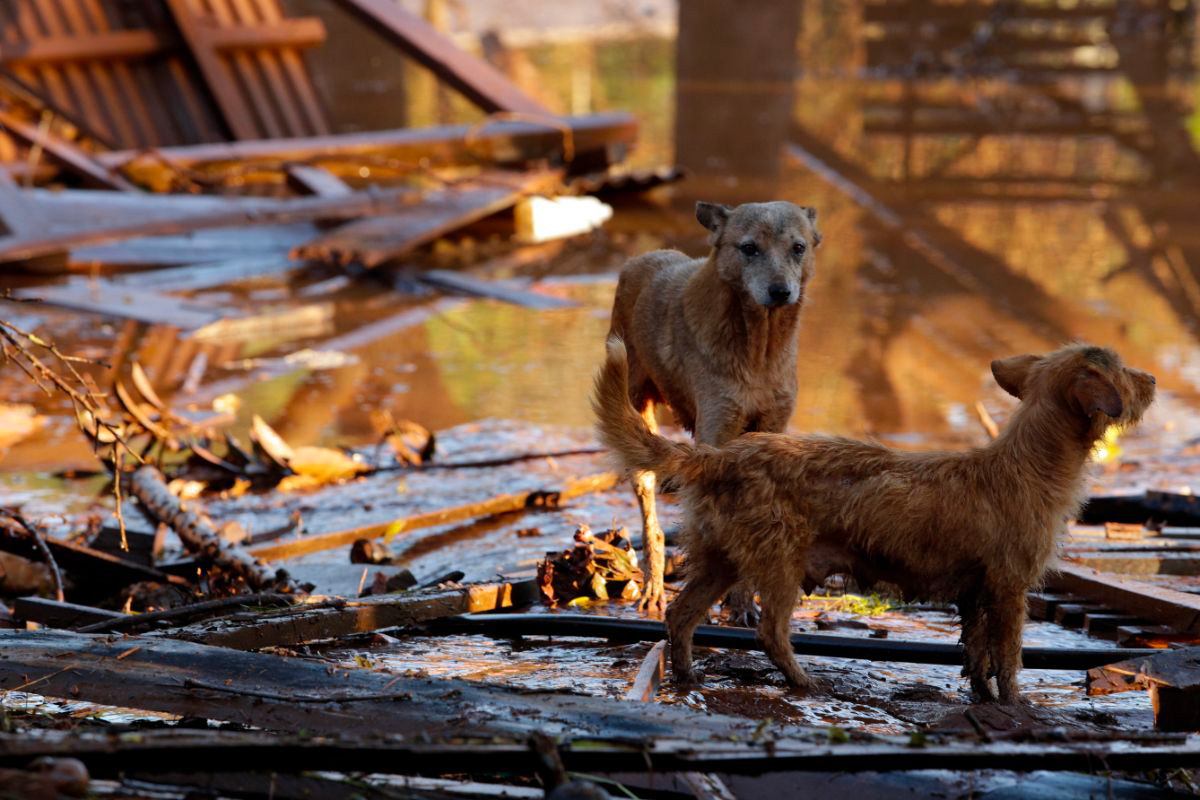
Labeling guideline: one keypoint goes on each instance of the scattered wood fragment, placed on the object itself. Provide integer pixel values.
(183, 614)
(649, 675)
(636, 630)
(124, 302)
(201, 537)
(66, 154)
(300, 624)
(539, 498)
(308, 179)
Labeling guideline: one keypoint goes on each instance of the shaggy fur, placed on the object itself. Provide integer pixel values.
(715, 338)
(976, 528)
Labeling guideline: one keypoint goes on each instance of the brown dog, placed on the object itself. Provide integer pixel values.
(715, 338)
(975, 528)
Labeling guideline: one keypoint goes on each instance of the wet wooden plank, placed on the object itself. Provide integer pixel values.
(649, 675)
(294, 694)
(499, 504)
(1178, 610)
(462, 283)
(15, 213)
(479, 81)
(606, 136)
(295, 626)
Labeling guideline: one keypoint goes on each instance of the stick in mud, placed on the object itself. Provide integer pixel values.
(201, 537)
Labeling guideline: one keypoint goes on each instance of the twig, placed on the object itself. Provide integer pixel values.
(43, 548)
(488, 462)
(985, 419)
(184, 612)
(191, 683)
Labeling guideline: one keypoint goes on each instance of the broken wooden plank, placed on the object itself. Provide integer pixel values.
(15, 215)
(294, 694)
(373, 241)
(224, 212)
(500, 504)
(604, 136)
(308, 179)
(201, 537)
(92, 571)
(57, 614)
(462, 283)
(67, 155)
(478, 80)
(124, 302)
(296, 626)
(1178, 610)
(637, 630)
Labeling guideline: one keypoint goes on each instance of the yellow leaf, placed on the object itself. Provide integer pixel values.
(324, 464)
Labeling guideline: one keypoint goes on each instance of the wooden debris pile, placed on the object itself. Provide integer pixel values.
(228, 164)
(597, 567)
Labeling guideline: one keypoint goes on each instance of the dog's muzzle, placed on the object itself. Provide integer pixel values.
(778, 295)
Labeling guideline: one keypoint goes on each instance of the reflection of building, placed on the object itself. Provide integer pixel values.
(1033, 103)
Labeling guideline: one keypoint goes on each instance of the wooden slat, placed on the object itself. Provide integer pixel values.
(198, 35)
(129, 44)
(316, 180)
(15, 214)
(306, 94)
(477, 287)
(482, 83)
(124, 302)
(1179, 610)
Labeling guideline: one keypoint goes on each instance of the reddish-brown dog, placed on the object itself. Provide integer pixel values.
(715, 338)
(976, 528)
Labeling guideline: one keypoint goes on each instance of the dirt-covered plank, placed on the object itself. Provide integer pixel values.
(1178, 610)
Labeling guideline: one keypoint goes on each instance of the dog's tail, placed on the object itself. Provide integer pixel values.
(624, 432)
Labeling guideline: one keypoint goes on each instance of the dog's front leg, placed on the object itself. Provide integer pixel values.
(1006, 622)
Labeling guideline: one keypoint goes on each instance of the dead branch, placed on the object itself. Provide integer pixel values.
(200, 536)
(40, 543)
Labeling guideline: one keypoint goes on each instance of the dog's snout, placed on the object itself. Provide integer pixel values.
(779, 293)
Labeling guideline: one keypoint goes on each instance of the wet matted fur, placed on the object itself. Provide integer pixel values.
(715, 337)
(976, 528)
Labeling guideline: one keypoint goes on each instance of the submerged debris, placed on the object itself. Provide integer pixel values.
(599, 566)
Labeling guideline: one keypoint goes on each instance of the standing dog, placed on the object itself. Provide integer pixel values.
(977, 528)
(715, 338)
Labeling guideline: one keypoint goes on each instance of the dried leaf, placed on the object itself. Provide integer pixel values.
(142, 384)
(270, 441)
(324, 464)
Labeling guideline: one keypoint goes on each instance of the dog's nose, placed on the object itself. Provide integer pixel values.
(1152, 381)
(779, 293)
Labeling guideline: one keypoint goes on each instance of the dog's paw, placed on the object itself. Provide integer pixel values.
(744, 617)
(653, 604)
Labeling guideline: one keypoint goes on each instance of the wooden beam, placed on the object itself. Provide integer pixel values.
(1178, 610)
(55, 614)
(479, 81)
(66, 154)
(288, 32)
(124, 302)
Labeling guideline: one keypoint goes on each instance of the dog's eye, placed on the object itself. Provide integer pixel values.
(748, 249)
(798, 248)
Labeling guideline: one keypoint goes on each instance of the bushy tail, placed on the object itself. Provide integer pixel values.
(624, 432)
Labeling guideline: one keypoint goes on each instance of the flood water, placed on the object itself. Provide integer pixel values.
(987, 185)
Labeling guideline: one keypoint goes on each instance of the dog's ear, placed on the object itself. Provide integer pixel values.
(811, 214)
(1011, 373)
(712, 216)
(1093, 392)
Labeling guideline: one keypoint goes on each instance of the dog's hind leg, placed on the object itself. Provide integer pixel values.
(977, 657)
(653, 541)
(709, 576)
(779, 596)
